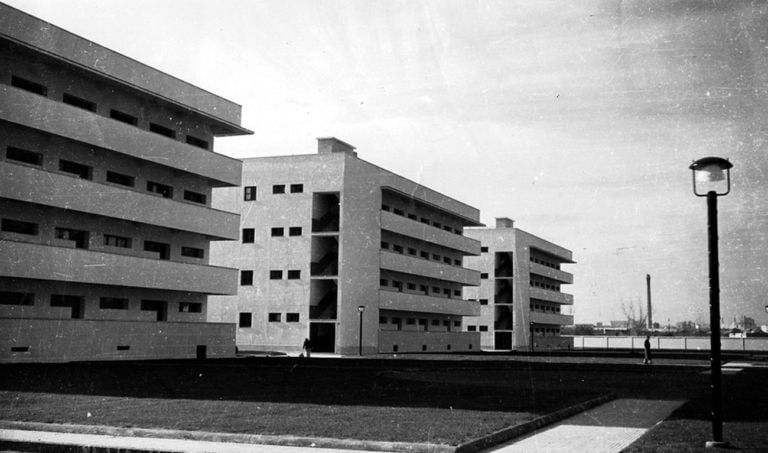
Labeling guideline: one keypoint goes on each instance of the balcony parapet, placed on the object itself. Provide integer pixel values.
(551, 296)
(554, 274)
(402, 301)
(430, 269)
(428, 233)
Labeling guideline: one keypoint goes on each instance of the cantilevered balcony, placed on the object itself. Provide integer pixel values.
(554, 274)
(401, 301)
(24, 108)
(20, 182)
(551, 318)
(551, 296)
(430, 269)
(44, 262)
(414, 229)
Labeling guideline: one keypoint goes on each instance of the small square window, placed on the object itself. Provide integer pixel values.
(422, 322)
(483, 275)
(411, 251)
(382, 319)
(447, 260)
(424, 255)
(248, 235)
(249, 193)
(278, 188)
(294, 231)
(245, 320)
(425, 221)
(291, 317)
(274, 317)
(294, 274)
(456, 323)
(436, 257)
(297, 188)
(385, 245)
(457, 292)
(412, 216)
(246, 278)
(278, 231)
(397, 285)
(483, 249)
(424, 289)
(383, 282)
(471, 328)
(457, 262)
(275, 275)
(446, 292)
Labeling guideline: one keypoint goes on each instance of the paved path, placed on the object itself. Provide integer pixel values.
(605, 429)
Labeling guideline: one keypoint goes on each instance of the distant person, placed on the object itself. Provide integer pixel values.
(306, 348)
(647, 350)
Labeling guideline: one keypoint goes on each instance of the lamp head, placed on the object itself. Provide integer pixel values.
(711, 174)
(361, 308)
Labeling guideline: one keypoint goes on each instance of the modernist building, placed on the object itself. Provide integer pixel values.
(106, 173)
(519, 292)
(332, 245)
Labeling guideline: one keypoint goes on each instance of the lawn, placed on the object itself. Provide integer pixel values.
(380, 400)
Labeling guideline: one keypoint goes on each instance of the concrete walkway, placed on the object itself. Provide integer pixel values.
(605, 429)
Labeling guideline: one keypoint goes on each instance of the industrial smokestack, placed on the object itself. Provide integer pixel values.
(650, 317)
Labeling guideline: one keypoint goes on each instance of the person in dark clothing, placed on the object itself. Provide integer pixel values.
(647, 350)
(306, 348)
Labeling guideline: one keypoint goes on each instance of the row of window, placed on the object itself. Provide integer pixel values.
(249, 234)
(482, 301)
(424, 220)
(545, 263)
(420, 253)
(246, 319)
(123, 117)
(475, 328)
(246, 277)
(83, 171)
(424, 289)
(398, 321)
(249, 192)
(542, 308)
(81, 239)
(545, 285)
(105, 303)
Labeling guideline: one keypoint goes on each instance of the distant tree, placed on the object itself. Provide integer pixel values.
(636, 318)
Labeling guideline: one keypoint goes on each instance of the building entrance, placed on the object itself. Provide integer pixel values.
(503, 341)
(322, 335)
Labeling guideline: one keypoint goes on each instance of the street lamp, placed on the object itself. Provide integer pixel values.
(531, 335)
(712, 179)
(360, 309)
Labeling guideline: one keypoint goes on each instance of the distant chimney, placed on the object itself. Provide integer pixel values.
(504, 222)
(327, 145)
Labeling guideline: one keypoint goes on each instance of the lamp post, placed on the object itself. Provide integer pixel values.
(712, 179)
(531, 336)
(360, 309)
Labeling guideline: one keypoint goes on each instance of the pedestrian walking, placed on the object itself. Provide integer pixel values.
(647, 350)
(306, 348)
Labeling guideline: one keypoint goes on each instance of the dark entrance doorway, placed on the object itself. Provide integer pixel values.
(202, 351)
(502, 341)
(75, 303)
(323, 336)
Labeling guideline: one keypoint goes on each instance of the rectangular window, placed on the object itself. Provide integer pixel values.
(29, 85)
(194, 141)
(79, 237)
(385, 245)
(16, 298)
(382, 319)
(424, 220)
(119, 178)
(483, 328)
(79, 102)
(190, 307)
(483, 301)
(113, 303)
(411, 251)
(385, 207)
(398, 211)
(291, 317)
(437, 224)
(245, 320)
(412, 217)
(275, 275)
(193, 252)
(447, 260)
(274, 317)
(436, 289)
(278, 231)
(117, 241)
(397, 285)
(249, 193)
(457, 262)
(123, 117)
(436, 257)
(22, 155)
(294, 274)
(483, 249)
(160, 189)
(19, 227)
(294, 231)
(278, 188)
(249, 235)
(162, 249)
(411, 286)
(471, 328)
(194, 197)
(410, 321)
(397, 248)
(162, 130)
(483, 275)
(424, 289)
(446, 292)
(448, 229)
(82, 171)
(457, 292)
(246, 278)
(422, 322)
(456, 323)
(297, 188)
(383, 282)
(435, 322)
(424, 255)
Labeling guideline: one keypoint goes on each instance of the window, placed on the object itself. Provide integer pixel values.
(483, 301)
(456, 323)
(83, 171)
(164, 250)
(113, 303)
(16, 298)
(422, 322)
(483, 275)
(411, 251)
(424, 220)
(397, 248)
(385, 245)
(79, 237)
(275, 275)
(435, 322)
(245, 320)
(412, 216)
(424, 289)
(123, 117)
(437, 224)
(397, 285)
(190, 307)
(435, 289)
(294, 274)
(398, 211)
(483, 249)
(411, 286)
(291, 317)
(382, 319)
(278, 231)
(19, 227)
(384, 207)
(410, 321)
(248, 235)
(160, 189)
(119, 178)
(384, 282)
(28, 85)
(297, 188)
(278, 188)
(194, 197)
(436, 257)
(446, 292)
(22, 155)
(457, 292)
(194, 141)
(193, 252)
(471, 328)
(246, 278)
(294, 231)
(274, 317)
(483, 328)
(447, 260)
(162, 130)
(249, 193)
(448, 229)
(117, 241)
(79, 102)
(424, 255)
(457, 262)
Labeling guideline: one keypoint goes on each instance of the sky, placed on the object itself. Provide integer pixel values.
(576, 119)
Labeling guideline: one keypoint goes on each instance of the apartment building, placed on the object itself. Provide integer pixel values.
(347, 254)
(106, 175)
(521, 303)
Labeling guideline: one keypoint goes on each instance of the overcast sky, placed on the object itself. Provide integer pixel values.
(576, 119)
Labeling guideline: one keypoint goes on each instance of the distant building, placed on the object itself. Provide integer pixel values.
(326, 235)
(106, 172)
(519, 292)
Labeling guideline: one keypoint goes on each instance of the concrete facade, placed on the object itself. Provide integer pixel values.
(106, 176)
(519, 293)
(327, 233)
